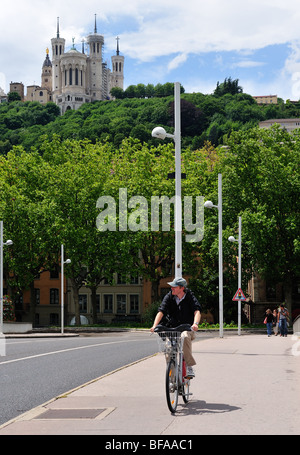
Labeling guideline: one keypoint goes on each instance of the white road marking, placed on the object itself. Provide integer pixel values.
(64, 350)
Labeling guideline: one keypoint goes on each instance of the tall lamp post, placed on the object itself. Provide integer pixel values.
(63, 262)
(239, 240)
(161, 133)
(209, 205)
(8, 243)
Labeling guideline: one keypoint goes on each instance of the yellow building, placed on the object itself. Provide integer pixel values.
(269, 99)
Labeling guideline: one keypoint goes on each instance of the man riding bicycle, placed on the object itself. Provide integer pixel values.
(180, 306)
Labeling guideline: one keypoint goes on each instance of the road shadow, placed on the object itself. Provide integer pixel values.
(198, 407)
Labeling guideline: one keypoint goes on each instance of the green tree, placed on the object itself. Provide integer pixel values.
(13, 96)
(261, 183)
(228, 86)
(23, 185)
(80, 170)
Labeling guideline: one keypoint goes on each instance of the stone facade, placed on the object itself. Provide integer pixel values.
(79, 78)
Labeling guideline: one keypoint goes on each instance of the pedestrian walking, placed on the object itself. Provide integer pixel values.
(269, 319)
(283, 316)
(275, 322)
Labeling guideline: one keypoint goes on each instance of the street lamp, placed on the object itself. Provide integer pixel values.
(210, 205)
(239, 240)
(161, 133)
(68, 261)
(8, 243)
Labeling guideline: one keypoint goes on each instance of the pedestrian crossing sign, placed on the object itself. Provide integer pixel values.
(239, 295)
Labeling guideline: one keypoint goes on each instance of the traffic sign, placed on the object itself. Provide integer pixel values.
(239, 295)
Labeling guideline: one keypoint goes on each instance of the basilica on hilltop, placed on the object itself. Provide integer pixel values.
(73, 78)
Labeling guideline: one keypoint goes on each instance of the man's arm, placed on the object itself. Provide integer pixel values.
(157, 320)
(197, 318)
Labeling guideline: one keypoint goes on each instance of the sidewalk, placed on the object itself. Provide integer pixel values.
(244, 385)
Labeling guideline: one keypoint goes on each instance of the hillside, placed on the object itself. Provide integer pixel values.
(204, 118)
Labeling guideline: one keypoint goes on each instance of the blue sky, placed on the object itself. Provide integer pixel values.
(195, 42)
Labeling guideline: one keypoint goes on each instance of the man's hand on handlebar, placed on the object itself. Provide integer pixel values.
(195, 327)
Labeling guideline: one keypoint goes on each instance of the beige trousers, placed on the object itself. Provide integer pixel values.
(188, 337)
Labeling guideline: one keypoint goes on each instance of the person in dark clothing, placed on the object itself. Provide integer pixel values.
(269, 321)
(180, 306)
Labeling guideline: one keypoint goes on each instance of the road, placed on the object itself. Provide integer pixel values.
(36, 370)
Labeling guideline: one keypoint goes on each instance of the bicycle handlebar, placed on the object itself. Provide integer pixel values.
(180, 328)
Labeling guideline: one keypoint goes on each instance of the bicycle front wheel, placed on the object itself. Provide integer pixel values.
(186, 390)
(172, 385)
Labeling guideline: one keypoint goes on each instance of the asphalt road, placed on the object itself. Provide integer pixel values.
(36, 370)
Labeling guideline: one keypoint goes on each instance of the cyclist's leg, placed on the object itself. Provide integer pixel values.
(188, 337)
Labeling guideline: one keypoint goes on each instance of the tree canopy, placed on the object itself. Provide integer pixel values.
(204, 117)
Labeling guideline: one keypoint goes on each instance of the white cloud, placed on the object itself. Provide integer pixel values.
(177, 61)
(247, 64)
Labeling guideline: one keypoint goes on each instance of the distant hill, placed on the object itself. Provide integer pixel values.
(204, 118)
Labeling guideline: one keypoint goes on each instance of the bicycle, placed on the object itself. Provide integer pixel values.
(171, 343)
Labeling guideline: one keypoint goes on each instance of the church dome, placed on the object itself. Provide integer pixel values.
(47, 61)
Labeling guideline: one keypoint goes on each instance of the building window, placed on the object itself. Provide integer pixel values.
(83, 303)
(121, 278)
(54, 274)
(134, 279)
(121, 303)
(70, 76)
(134, 304)
(108, 303)
(76, 77)
(54, 296)
(53, 319)
(37, 296)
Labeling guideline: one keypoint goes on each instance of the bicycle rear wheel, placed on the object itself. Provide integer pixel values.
(172, 385)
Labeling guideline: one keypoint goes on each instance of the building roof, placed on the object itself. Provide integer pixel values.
(47, 61)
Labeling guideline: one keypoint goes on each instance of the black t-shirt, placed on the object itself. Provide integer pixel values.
(182, 313)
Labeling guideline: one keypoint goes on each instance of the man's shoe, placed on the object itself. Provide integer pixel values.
(190, 374)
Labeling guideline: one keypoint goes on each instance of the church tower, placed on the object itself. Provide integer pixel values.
(95, 77)
(47, 73)
(117, 75)
(79, 77)
(58, 49)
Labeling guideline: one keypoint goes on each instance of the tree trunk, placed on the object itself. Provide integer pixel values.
(154, 290)
(288, 295)
(94, 304)
(32, 303)
(76, 303)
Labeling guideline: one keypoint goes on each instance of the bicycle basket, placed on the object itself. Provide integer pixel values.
(169, 341)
